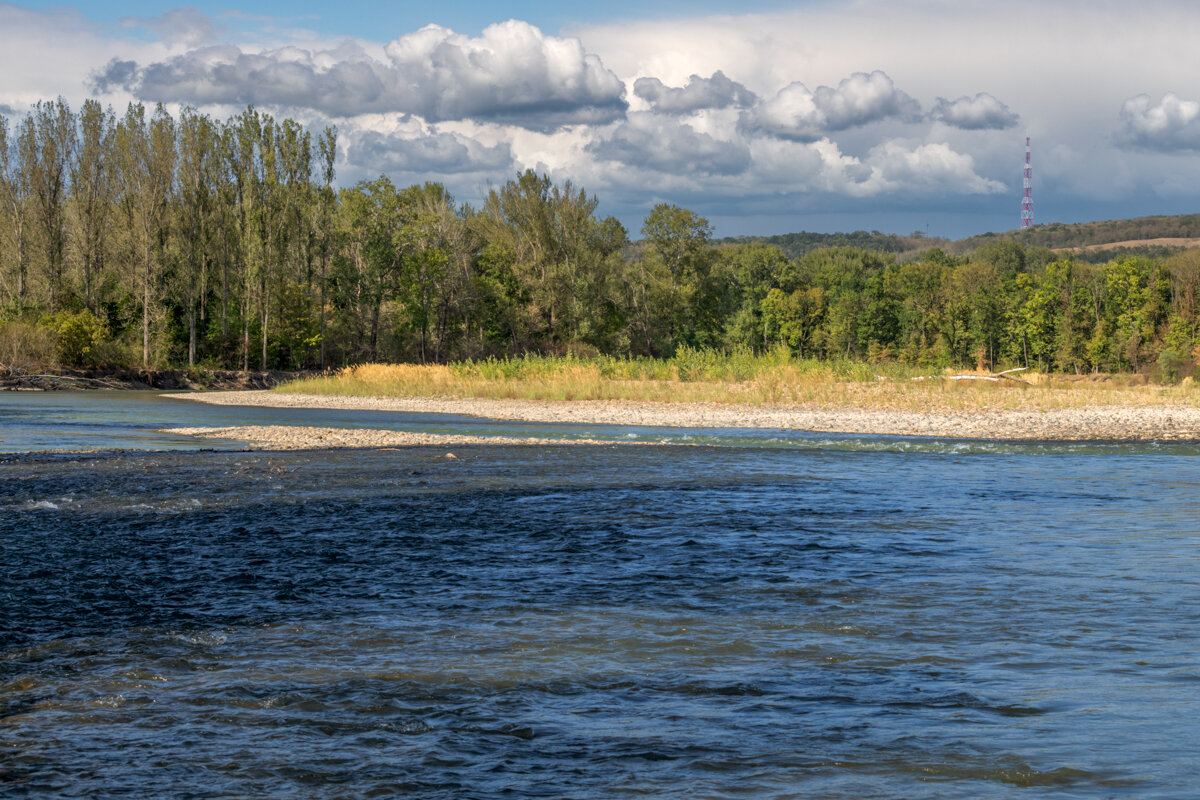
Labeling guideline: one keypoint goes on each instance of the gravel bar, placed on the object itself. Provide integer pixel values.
(1095, 423)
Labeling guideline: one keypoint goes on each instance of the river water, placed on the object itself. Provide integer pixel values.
(766, 615)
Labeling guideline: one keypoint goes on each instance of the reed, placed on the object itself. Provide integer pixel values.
(705, 376)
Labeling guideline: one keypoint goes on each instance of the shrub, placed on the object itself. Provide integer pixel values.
(1170, 364)
(77, 336)
(24, 346)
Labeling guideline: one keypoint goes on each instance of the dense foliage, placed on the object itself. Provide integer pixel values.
(797, 245)
(167, 241)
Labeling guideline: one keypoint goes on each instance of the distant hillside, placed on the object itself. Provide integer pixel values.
(1140, 236)
(1058, 235)
(795, 245)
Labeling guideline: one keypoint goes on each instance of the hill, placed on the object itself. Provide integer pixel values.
(1058, 235)
(1090, 241)
(795, 245)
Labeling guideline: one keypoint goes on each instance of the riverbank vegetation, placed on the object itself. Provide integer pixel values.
(162, 241)
(777, 377)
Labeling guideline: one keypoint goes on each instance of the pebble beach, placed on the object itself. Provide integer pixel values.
(1096, 423)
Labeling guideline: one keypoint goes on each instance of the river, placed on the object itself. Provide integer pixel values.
(770, 614)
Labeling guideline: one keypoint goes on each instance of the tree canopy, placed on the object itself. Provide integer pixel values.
(159, 240)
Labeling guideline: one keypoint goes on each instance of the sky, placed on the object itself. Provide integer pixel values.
(765, 117)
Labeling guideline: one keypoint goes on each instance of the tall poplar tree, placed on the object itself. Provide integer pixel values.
(91, 191)
(198, 183)
(146, 154)
(327, 143)
(47, 145)
(13, 215)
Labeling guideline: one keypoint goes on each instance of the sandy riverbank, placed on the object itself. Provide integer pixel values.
(1074, 424)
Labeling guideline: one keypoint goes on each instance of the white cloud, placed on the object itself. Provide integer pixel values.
(806, 116)
(932, 168)
(893, 167)
(648, 141)
(979, 113)
(446, 101)
(179, 26)
(698, 94)
(1171, 124)
(511, 73)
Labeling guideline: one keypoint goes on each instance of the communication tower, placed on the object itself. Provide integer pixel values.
(1027, 198)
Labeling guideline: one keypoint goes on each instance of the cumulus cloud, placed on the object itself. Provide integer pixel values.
(930, 168)
(805, 116)
(511, 73)
(894, 167)
(979, 113)
(650, 142)
(697, 94)
(1170, 125)
(7, 110)
(441, 153)
(182, 26)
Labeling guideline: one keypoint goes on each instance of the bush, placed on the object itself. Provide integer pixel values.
(77, 337)
(1170, 364)
(24, 346)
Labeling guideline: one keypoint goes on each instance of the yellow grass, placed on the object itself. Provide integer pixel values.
(755, 381)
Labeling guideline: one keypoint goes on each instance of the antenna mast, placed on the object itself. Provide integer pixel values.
(1027, 199)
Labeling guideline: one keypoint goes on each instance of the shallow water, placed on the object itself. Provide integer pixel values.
(842, 620)
(93, 421)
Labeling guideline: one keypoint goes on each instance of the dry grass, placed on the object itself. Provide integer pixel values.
(764, 380)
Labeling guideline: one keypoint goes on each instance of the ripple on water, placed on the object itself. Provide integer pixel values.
(594, 623)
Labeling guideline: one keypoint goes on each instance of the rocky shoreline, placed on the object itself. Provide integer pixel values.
(1096, 423)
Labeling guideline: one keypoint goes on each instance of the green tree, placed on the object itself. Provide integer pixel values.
(145, 154)
(327, 146)
(47, 146)
(91, 182)
(678, 244)
(14, 213)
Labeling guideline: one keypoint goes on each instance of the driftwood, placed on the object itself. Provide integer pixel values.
(999, 376)
(14, 377)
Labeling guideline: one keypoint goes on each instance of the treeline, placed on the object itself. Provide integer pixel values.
(1081, 234)
(168, 241)
(796, 245)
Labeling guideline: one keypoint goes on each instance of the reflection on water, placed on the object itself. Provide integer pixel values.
(598, 622)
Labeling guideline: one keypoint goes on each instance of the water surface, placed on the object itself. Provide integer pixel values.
(836, 617)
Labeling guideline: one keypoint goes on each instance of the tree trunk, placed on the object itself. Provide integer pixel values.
(87, 278)
(192, 333)
(324, 262)
(146, 313)
(375, 331)
(266, 315)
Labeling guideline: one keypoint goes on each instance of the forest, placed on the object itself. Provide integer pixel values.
(168, 241)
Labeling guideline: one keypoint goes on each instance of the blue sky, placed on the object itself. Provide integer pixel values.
(368, 18)
(767, 117)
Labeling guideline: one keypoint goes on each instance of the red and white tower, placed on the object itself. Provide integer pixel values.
(1027, 198)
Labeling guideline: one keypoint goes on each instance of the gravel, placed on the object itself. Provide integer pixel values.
(1075, 424)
